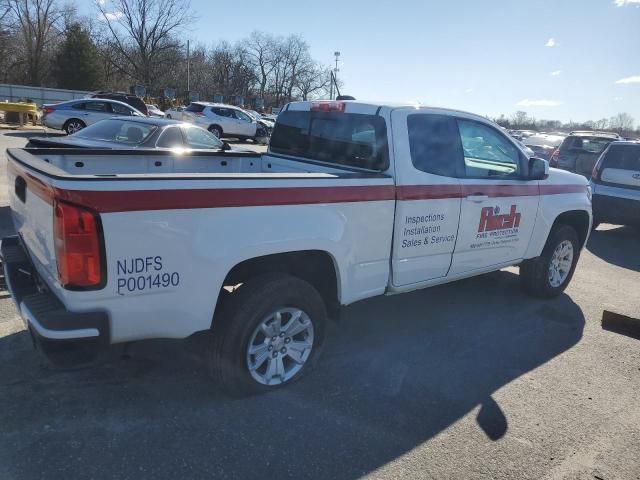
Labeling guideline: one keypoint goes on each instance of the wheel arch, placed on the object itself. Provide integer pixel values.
(579, 220)
(317, 267)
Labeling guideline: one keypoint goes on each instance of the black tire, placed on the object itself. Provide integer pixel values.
(216, 130)
(242, 313)
(73, 125)
(534, 273)
(168, 116)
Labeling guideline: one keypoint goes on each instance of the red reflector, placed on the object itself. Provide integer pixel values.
(48, 109)
(199, 114)
(328, 107)
(77, 246)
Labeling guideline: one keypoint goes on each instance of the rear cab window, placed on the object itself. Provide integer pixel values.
(346, 139)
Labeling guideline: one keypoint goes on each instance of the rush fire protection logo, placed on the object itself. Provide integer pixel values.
(490, 219)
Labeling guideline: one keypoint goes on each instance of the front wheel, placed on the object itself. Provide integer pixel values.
(269, 332)
(217, 131)
(549, 274)
(73, 126)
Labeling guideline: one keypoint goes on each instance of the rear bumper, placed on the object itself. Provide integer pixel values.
(616, 210)
(46, 317)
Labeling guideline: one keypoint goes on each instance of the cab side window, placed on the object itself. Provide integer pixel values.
(435, 144)
(487, 152)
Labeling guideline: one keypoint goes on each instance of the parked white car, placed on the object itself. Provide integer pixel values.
(74, 115)
(154, 111)
(225, 121)
(351, 201)
(174, 113)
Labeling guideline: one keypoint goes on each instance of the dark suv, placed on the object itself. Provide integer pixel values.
(579, 152)
(135, 102)
(616, 185)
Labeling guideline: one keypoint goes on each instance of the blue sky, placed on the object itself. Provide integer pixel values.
(484, 56)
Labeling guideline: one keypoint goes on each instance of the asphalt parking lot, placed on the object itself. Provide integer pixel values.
(468, 380)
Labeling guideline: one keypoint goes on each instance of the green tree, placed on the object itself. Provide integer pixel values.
(77, 65)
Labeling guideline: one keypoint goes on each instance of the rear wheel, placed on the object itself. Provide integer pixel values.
(74, 125)
(169, 116)
(550, 273)
(269, 333)
(217, 131)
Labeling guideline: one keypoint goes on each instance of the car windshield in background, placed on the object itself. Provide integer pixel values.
(587, 144)
(117, 131)
(347, 139)
(535, 140)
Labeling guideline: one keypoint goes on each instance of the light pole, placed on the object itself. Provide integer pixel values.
(188, 69)
(335, 73)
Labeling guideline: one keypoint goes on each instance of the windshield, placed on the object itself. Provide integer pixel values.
(586, 144)
(117, 131)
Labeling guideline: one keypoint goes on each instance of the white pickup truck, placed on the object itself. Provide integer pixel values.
(352, 200)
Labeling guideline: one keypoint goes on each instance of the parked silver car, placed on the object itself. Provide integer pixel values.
(74, 115)
(225, 121)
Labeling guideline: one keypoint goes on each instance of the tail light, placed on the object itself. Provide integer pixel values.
(78, 247)
(199, 114)
(328, 107)
(595, 173)
(48, 109)
(553, 160)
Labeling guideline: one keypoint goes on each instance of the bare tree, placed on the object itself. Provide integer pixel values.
(142, 33)
(621, 123)
(39, 23)
(313, 81)
(260, 50)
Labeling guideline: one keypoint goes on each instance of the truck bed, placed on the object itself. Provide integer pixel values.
(65, 163)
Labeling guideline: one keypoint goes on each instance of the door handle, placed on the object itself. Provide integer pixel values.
(477, 198)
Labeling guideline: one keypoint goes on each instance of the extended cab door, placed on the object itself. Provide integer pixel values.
(499, 205)
(428, 156)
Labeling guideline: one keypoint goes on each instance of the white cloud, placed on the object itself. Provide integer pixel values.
(550, 43)
(617, 99)
(111, 16)
(555, 73)
(635, 79)
(101, 2)
(468, 90)
(622, 3)
(537, 103)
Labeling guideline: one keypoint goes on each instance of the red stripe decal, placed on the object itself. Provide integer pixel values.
(558, 189)
(428, 192)
(137, 200)
(134, 200)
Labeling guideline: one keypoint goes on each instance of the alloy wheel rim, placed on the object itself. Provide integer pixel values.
(561, 262)
(74, 127)
(280, 346)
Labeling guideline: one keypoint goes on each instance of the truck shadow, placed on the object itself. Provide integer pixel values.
(396, 371)
(613, 246)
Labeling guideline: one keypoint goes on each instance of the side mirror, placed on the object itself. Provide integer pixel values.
(225, 146)
(538, 168)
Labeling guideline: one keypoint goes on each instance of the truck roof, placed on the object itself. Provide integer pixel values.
(372, 107)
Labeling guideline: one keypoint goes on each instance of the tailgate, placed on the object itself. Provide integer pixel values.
(31, 201)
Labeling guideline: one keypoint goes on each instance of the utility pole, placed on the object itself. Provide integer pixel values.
(188, 69)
